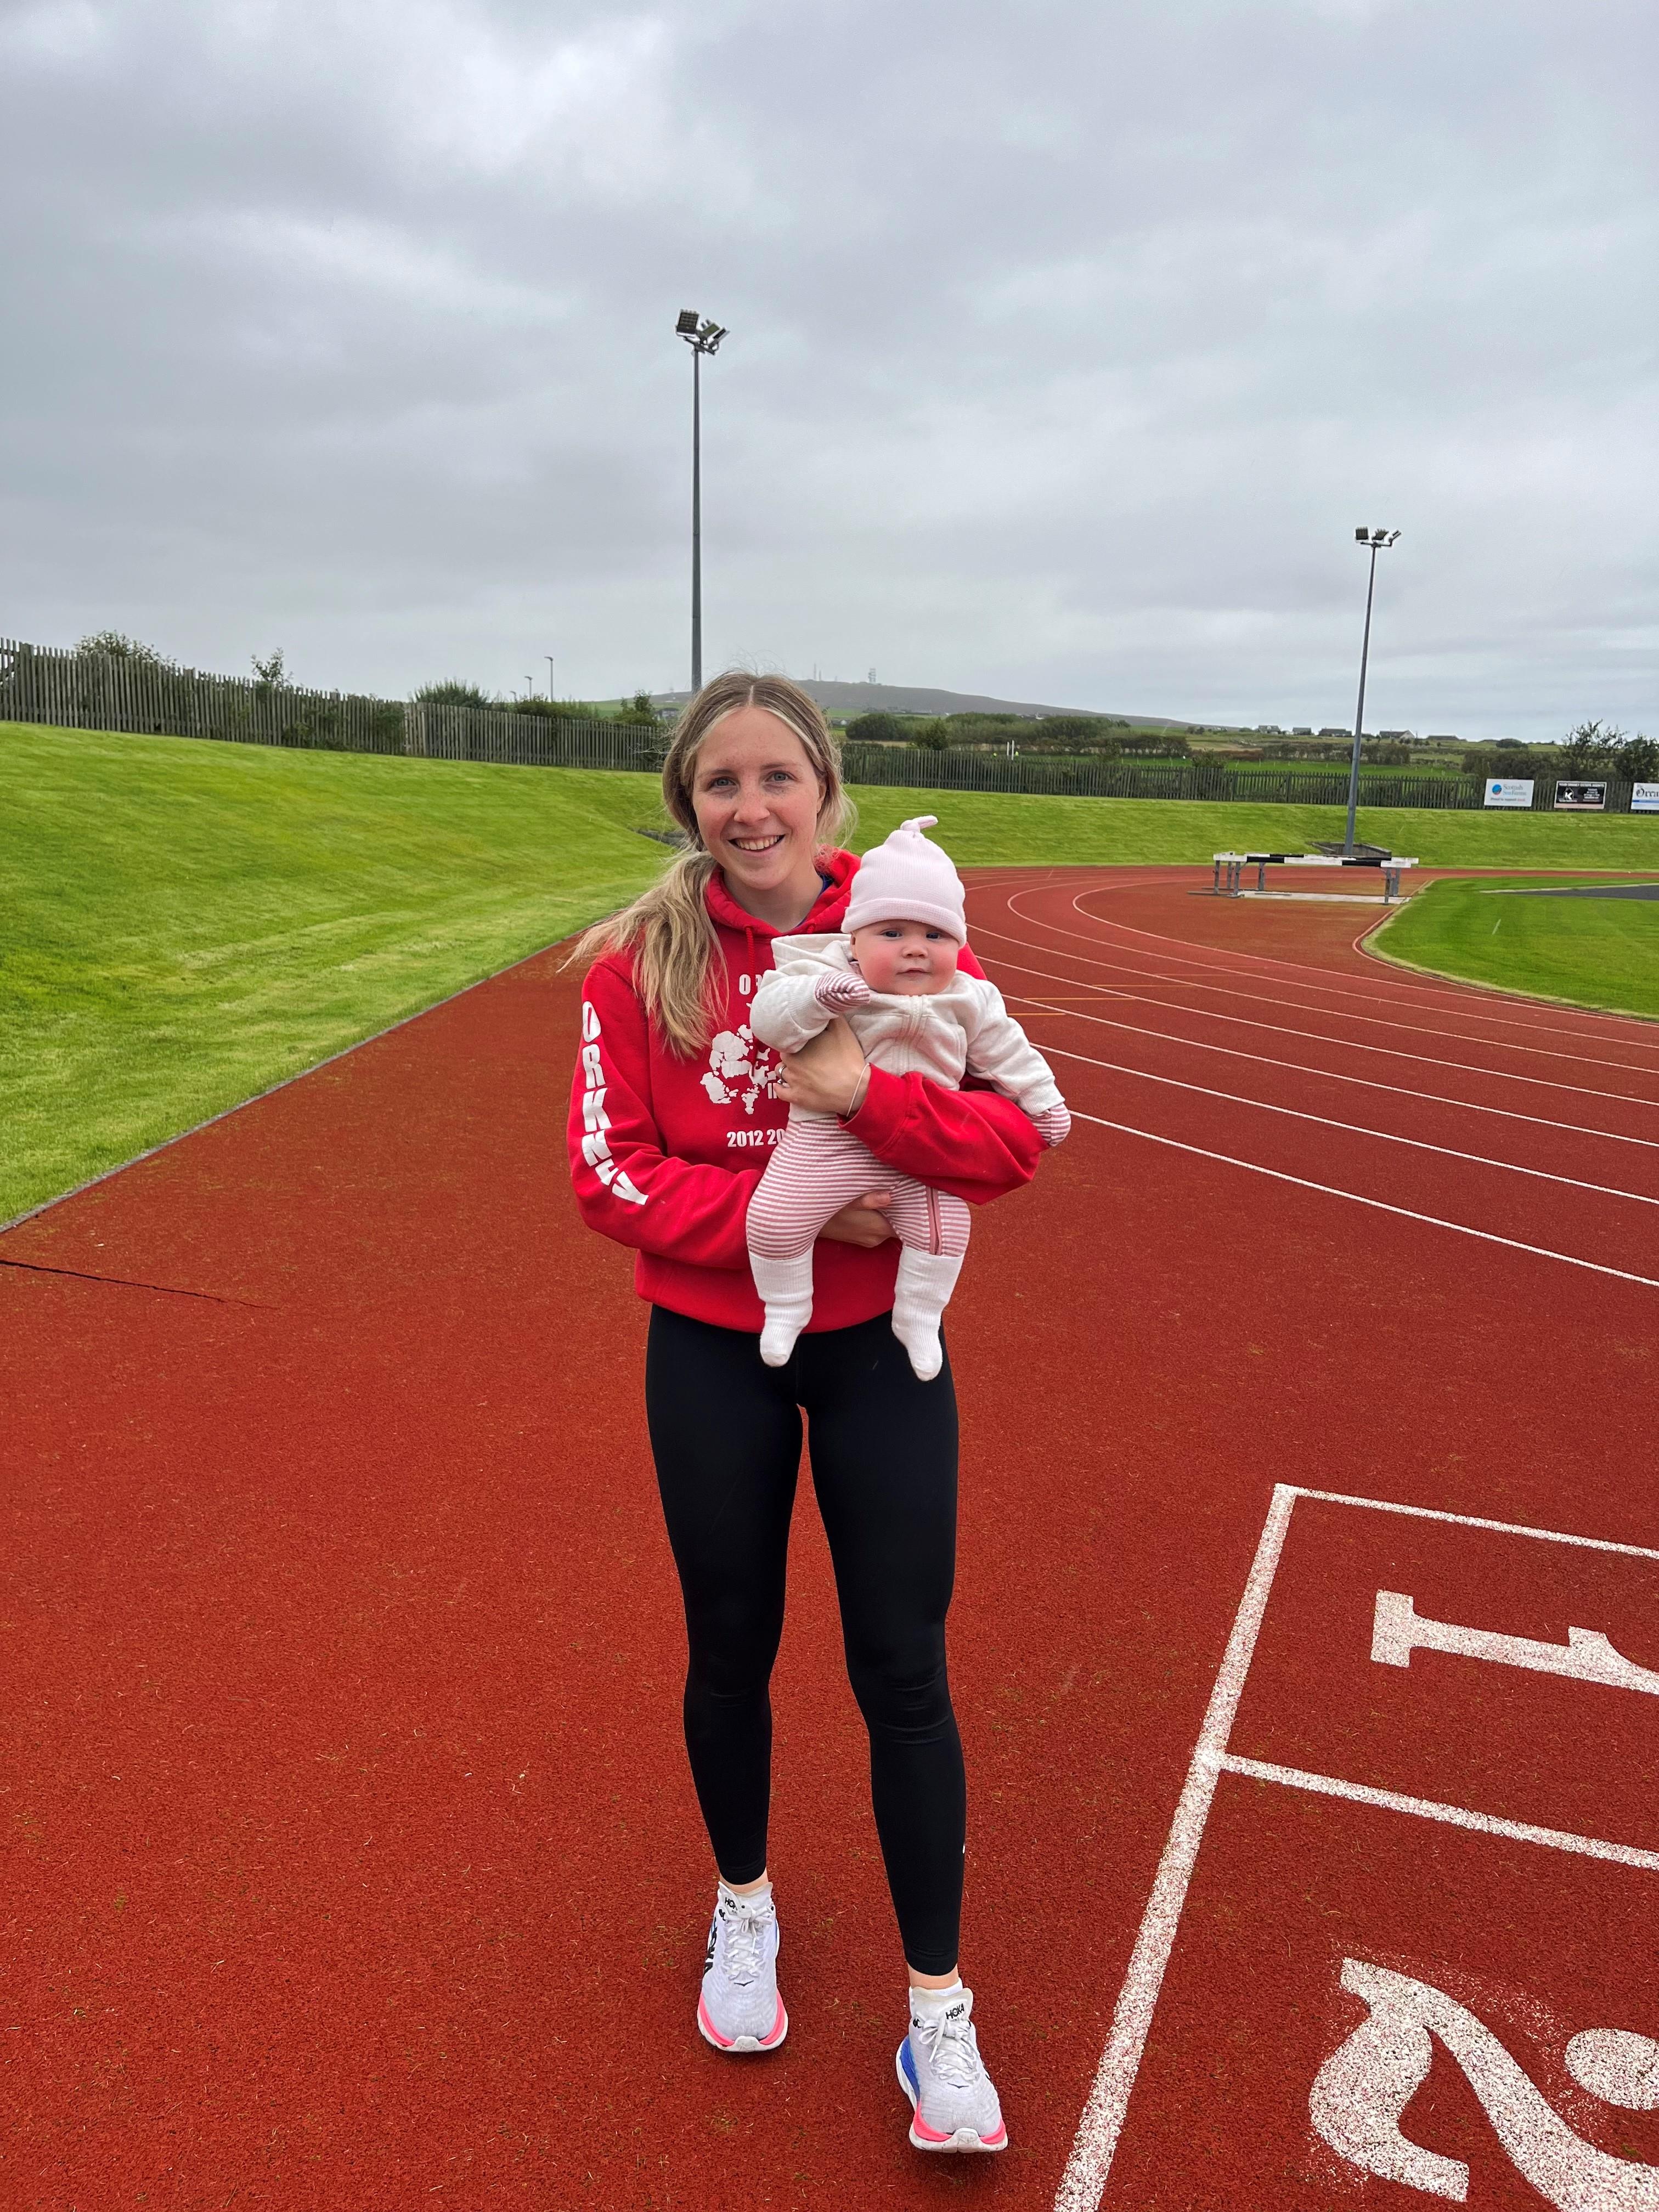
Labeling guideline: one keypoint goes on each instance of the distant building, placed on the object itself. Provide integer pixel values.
(1409, 735)
(1443, 738)
(1303, 730)
(1336, 733)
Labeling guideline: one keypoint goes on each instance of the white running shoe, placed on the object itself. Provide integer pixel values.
(941, 2072)
(740, 2008)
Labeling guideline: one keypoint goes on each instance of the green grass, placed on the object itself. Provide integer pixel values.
(981, 828)
(187, 923)
(1593, 952)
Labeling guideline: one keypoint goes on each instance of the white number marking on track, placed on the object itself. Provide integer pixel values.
(1360, 2092)
(1398, 1629)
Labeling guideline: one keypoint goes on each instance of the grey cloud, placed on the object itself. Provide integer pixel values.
(1069, 342)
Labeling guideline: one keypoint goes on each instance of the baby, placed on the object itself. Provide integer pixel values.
(894, 976)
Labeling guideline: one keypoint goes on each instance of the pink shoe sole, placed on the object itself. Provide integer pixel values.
(710, 2034)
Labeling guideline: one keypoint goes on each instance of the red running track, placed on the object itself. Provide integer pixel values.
(352, 1859)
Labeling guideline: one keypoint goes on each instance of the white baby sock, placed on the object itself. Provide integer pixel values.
(785, 1291)
(925, 1281)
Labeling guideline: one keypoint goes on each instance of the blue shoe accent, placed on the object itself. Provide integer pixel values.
(908, 2064)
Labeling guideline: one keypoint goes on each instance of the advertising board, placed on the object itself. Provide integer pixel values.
(1582, 797)
(1509, 790)
(1644, 798)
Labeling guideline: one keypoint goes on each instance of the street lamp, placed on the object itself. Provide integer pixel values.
(548, 658)
(703, 338)
(1376, 541)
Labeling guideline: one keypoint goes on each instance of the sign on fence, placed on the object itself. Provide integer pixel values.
(1509, 791)
(1644, 798)
(1584, 797)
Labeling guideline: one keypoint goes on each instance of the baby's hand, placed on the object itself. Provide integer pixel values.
(837, 991)
(1053, 1124)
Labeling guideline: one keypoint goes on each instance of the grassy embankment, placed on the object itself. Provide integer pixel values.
(187, 923)
(1591, 953)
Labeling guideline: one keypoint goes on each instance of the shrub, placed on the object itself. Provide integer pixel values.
(877, 730)
(114, 646)
(452, 693)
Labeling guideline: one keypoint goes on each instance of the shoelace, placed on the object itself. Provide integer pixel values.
(951, 2054)
(746, 1941)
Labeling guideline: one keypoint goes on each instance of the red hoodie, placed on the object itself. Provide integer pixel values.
(666, 1151)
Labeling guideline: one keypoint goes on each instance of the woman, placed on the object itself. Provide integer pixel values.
(674, 1107)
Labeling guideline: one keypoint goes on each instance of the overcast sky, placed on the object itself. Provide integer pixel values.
(1069, 342)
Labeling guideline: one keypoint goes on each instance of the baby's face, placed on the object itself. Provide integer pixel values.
(904, 956)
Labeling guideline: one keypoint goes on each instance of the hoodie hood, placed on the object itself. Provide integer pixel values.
(826, 909)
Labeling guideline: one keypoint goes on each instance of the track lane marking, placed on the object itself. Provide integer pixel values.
(1301, 976)
(1431, 1809)
(1085, 2179)
(1358, 1198)
(1454, 997)
(1330, 1013)
(1330, 1074)
(1476, 1521)
(1312, 1036)
(1466, 999)
(1088, 2167)
(1354, 1128)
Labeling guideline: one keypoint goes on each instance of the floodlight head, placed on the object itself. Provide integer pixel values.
(1392, 535)
(687, 323)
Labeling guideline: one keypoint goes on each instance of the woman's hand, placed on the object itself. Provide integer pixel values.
(827, 1075)
(863, 1222)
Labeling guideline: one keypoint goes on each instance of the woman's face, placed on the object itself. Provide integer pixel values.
(756, 797)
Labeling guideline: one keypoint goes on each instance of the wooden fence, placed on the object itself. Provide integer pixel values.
(107, 691)
(104, 692)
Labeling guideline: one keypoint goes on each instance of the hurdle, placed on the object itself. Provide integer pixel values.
(1230, 869)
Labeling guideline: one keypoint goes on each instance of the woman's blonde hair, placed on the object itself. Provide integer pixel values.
(667, 928)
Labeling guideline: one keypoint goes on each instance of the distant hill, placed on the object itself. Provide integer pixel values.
(918, 699)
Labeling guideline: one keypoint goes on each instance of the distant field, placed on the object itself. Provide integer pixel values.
(988, 827)
(188, 923)
(1594, 953)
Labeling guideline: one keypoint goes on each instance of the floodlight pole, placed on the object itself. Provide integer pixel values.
(548, 658)
(1376, 540)
(696, 518)
(703, 335)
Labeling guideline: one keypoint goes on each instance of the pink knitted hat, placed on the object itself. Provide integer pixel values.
(907, 877)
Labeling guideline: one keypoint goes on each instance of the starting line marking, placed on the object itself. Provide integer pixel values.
(1428, 1809)
(1083, 2182)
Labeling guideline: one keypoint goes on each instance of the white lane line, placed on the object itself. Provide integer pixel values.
(1283, 1028)
(1474, 1521)
(1464, 1005)
(1466, 1002)
(1085, 2178)
(1377, 1205)
(1452, 1000)
(1331, 1013)
(1089, 2165)
(1428, 1808)
(1322, 1074)
(1353, 1128)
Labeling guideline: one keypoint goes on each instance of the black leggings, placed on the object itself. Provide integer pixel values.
(726, 1431)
